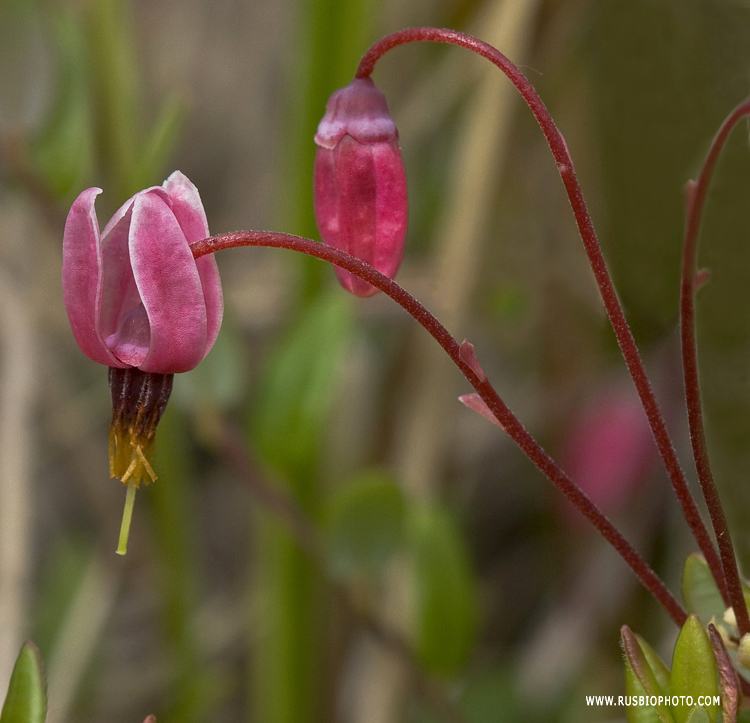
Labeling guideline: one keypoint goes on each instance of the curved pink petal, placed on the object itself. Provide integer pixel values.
(188, 210)
(391, 207)
(170, 287)
(119, 293)
(186, 206)
(123, 210)
(82, 277)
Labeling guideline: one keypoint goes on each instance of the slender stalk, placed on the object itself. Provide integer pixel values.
(616, 315)
(510, 423)
(127, 517)
(697, 193)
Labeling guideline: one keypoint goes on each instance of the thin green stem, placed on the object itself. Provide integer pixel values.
(616, 315)
(697, 193)
(510, 423)
(127, 517)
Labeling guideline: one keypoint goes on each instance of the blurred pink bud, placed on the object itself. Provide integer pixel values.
(134, 294)
(609, 450)
(360, 184)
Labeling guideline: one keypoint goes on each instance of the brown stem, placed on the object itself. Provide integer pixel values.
(696, 200)
(616, 315)
(510, 423)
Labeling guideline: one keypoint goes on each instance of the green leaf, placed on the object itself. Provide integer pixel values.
(638, 713)
(648, 672)
(27, 693)
(445, 592)
(365, 523)
(699, 590)
(297, 390)
(693, 669)
(699, 715)
(658, 668)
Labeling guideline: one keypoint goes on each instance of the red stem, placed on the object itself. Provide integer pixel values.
(697, 193)
(616, 315)
(485, 390)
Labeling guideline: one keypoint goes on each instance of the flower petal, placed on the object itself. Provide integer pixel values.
(123, 210)
(119, 292)
(187, 207)
(82, 277)
(169, 285)
(188, 210)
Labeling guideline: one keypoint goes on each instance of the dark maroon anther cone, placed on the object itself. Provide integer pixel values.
(138, 401)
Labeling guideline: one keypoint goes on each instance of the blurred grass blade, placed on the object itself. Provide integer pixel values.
(115, 84)
(288, 425)
(26, 701)
(289, 416)
(161, 142)
(62, 153)
(172, 501)
(315, 70)
(445, 592)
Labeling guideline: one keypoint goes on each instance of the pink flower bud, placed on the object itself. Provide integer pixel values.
(360, 184)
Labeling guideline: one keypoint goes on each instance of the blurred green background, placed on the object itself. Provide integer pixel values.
(333, 537)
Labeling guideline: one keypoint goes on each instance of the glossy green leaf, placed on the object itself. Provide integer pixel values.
(289, 416)
(638, 713)
(365, 524)
(699, 590)
(445, 592)
(26, 701)
(649, 676)
(693, 669)
(658, 668)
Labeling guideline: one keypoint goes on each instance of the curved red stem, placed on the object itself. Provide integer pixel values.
(616, 315)
(509, 421)
(697, 193)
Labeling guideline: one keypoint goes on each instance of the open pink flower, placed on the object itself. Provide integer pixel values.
(134, 294)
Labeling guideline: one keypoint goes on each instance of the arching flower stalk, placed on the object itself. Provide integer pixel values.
(144, 297)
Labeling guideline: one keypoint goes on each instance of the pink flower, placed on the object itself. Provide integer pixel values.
(360, 184)
(134, 294)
